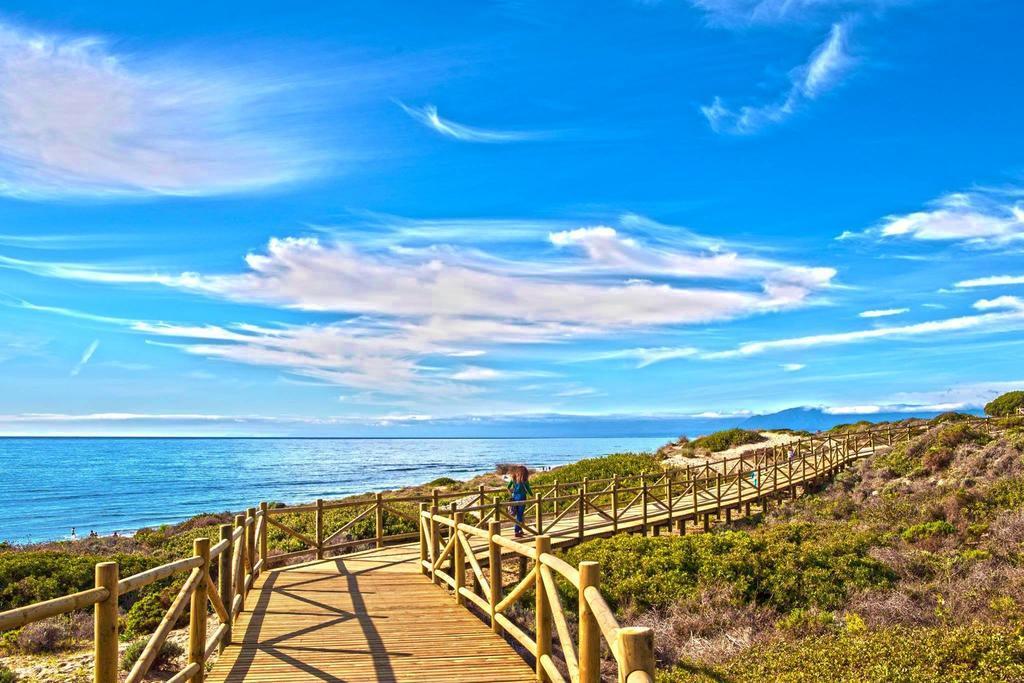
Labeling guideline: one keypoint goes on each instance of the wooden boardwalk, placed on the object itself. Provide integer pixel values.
(372, 616)
(368, 616)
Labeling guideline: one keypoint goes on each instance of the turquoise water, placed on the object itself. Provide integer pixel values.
(48, 486)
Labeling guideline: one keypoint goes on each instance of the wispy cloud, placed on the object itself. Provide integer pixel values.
(428, 116)
(792, 367)
(79, 119)
(1008, 314)
(644, 356)
(883, 312)
(405, 313)
(980, 218)
(822, 71)
(991, 281)
(747, 12)
(86, 357)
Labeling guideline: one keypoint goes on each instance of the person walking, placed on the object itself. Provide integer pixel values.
(519, 486)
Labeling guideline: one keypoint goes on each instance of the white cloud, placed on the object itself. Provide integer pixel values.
(606, 249)
(428, 116)
(78, 119)
(577, 392)
(991, 281)
(86, 357)
(852, 410)
(883, 312)
(475, 373)
(644, 355)
(397, 307)
(792, 367)
(822, 71)
(1009, 315)
(989, 219)
(746, 12)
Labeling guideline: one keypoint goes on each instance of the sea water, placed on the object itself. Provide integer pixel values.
(49, 485)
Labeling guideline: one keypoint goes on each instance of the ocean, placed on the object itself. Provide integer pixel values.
(48, 486)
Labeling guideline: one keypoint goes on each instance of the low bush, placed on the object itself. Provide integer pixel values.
(927, 530)
(605, 467)
(7, 676)
(786, 566)
(973, 654)
(443, 481)
(169, 651)
(728, 438)
(1008, 404)
(33, 576)
(54, 634)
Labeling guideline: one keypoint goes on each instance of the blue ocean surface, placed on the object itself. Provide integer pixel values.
(49, 485)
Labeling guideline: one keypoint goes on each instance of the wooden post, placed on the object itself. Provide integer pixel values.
(543, 609)
(224, 580)
(718, 495)
(539, 516)
(379, 512)
(707, 521)
(435, 495)
(668, 496)
(319, 526)
(636, 646)
(435, 543)
(590, 632)
(615, 503)
(240, 578)
(494, 568)
(423, 538)
(197, 612)
(105, 625)
(451, 558)
(251, 541)
(728, 515)
(264, 552)
(643, 504)
(459, 560)
(581, 513)
(557, 496)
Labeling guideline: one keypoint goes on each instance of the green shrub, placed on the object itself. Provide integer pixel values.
(1005, 494)
(787, 566)
(148, 611)
(7, 676)
(728, 438)
(807, 622)
(951, 416)
(1008, 404)
(443, 481)
(33, 576)
(973, 654)
(898, 461)
(169, 651)
(927, 530)
(605, 467)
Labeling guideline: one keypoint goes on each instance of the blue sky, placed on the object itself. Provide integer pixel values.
(245, 218)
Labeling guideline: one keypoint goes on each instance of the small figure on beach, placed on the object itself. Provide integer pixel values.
(791, 454)
(518, 484)
(74, 534)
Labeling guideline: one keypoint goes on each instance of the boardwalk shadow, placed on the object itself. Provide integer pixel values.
(283, 648)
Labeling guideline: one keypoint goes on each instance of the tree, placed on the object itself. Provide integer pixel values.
(1010, 403)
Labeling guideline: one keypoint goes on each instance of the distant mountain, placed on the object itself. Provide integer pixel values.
(815, 419)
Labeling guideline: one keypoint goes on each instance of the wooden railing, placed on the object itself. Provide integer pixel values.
(235, 555)
(632, 648)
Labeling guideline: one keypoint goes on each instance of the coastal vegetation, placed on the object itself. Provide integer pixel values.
(908, 566)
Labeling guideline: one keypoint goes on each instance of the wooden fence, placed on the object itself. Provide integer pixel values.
(222, 574)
